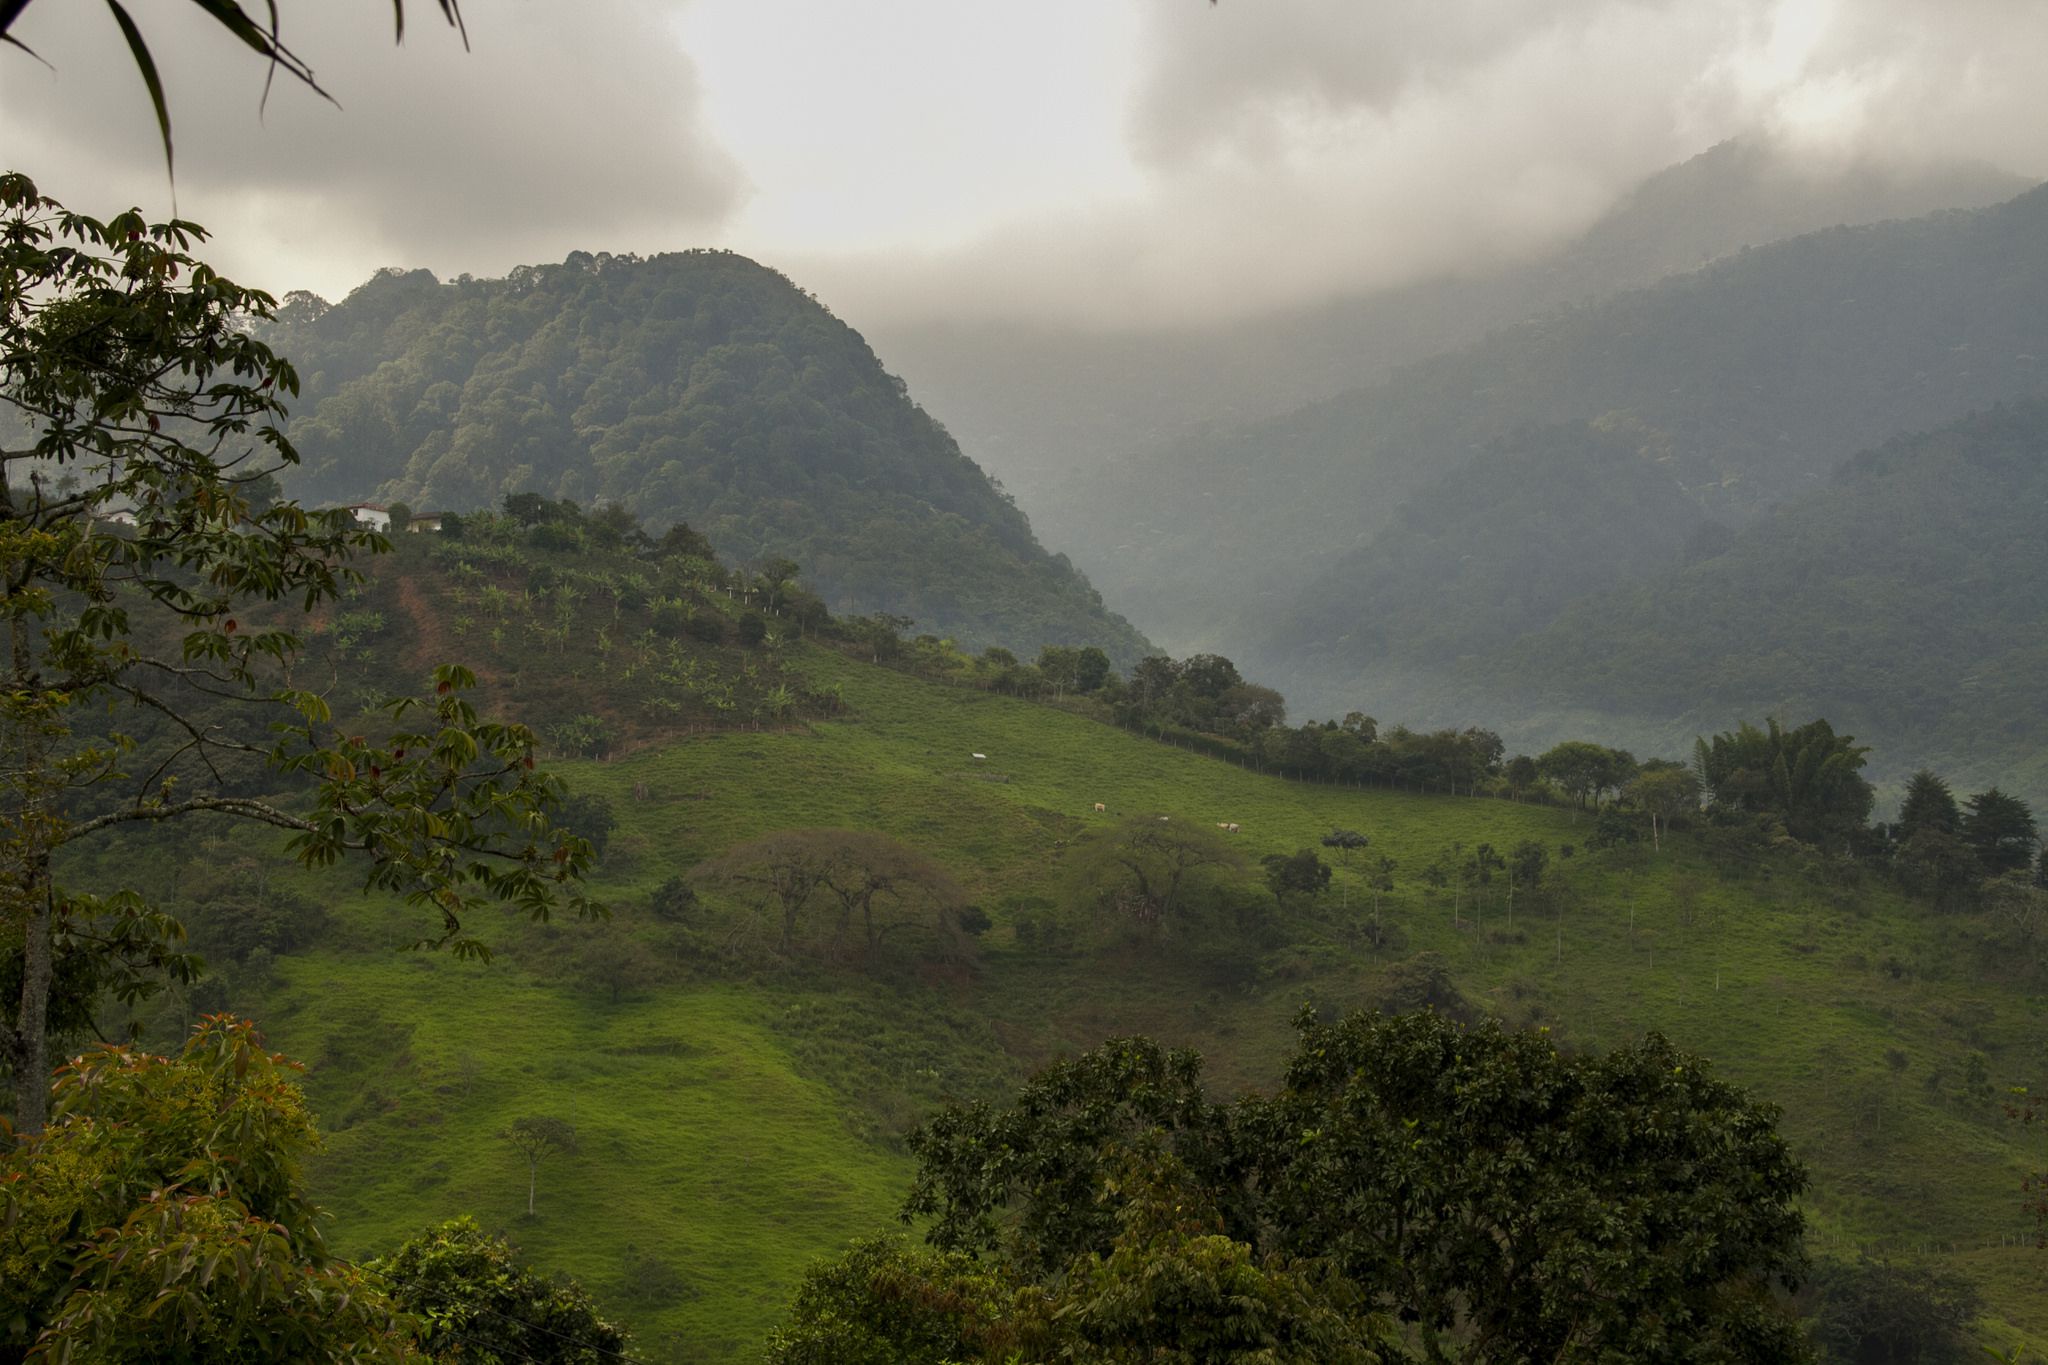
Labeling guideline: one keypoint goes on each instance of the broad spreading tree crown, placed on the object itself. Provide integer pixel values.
(151, 578)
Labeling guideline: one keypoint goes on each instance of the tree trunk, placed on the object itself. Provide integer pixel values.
(532, 1182)
(31, 1029)
(29, 819)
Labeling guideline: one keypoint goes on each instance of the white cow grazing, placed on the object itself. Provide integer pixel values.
(1100, 808)
(1231, 828)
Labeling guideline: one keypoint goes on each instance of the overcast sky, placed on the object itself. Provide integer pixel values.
(1107, 160)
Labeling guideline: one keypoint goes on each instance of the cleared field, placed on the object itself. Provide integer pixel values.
(735, 1126)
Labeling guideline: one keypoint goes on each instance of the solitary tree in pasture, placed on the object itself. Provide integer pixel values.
(1346, 842)
(535, 1138)
(1145, 867)
(786, 868)
(885, 884)
(1380, 877)
(1525, 864)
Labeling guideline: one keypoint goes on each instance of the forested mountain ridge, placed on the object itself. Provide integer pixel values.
(1906, 601)
(698, 387)
(1751, 380)
(1503, 541)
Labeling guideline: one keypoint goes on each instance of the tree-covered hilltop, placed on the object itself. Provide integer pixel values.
(1757, 376)
(695, 387)
(1905, 600)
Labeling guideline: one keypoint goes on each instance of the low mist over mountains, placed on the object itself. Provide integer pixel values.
(1749, 380)
(696, 387)
(1382, 549)
(1038, 405)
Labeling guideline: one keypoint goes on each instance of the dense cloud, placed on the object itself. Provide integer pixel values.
(1139, 160)
(563, 125)
(1298, 149)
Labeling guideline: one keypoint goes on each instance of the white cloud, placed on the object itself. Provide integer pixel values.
(1112, 160)
(565, 126)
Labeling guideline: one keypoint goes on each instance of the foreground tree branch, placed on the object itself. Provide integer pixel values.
(147, 395)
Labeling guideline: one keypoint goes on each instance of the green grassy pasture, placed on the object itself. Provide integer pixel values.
(734, 1127)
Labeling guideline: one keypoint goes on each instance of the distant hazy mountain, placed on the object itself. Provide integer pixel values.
(1743, 383)
(1907, 601)
(1036, 404)
(1497, 547)
(699, 387)
(1750, 380)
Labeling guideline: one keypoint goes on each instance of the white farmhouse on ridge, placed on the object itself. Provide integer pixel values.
(370, 516)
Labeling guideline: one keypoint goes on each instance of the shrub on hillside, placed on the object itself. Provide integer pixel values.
(589, 817)
(1881, 1313)
(674, 902)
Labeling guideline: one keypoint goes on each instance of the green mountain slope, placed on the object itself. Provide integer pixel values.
(740, 1111)
(1496, 548)
(1759, 374)
(1906, 602)
(698, 387)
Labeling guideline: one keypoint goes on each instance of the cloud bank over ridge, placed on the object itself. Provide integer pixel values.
(1109, 161)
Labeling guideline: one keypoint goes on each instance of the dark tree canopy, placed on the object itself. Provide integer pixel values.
(1883, 1313)
(2000, 830)
(164, 1216)
(1810, 778)
(1300, 873)
(1502, 1200)
(1928, 805)
(475, 1299)
(1586, 771)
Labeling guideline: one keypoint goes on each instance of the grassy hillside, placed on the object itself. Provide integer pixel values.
(740, 1114)
(696, 387)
